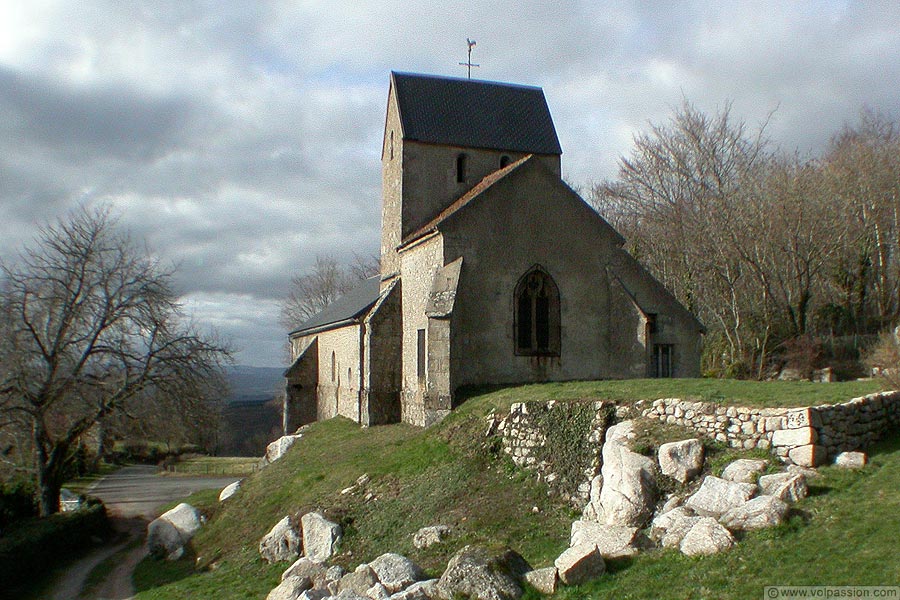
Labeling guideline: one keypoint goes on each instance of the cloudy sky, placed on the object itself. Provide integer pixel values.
(242, 138)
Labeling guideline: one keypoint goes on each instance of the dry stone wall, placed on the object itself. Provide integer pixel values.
(804, 436)
(566, 461)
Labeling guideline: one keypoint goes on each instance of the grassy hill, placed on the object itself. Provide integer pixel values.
(844, 534)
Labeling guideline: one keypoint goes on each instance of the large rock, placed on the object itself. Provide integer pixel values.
(277, 449)
(744, 470)
(851, 460)
(543, 580)
(168, 534)
(679, 528)
(629, 480)
(305, 567)
(282, 543)
(717, 496)
(422, 590)
(788, 487)
(395, 572)
(579, 564)
(320, 536)
(681, 460)
(612, 541)
(428, 536)
(474, 572)
(706, 537)
(758, 513)
(290, 588)
(229, 490)
(811, 455)
(359, 581)
(661, 523)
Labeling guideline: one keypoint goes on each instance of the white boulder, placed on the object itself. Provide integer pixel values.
(851, 460)
(229, 490)
(717, 496)
(789, 487)
(277, 449)
(706, 537)
(168, 534)
(579, 564)
(681, 460)
(758, 513)
(282, 543)
(320, 536)
(744, 470)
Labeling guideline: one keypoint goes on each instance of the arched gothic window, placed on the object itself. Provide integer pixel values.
(504, 161)
(537, 324)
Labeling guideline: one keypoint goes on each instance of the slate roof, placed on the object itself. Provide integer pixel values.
(475, 114)
(350, 306)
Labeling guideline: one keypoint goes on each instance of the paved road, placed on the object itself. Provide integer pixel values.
(139, 492)
(133, 496)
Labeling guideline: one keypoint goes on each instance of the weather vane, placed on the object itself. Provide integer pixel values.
(468, 64)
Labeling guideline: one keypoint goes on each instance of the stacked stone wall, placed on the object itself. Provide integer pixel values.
(567, 465)
(805, 436)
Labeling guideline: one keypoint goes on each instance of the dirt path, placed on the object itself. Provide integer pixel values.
(132, 496)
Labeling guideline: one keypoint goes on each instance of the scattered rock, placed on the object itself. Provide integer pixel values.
(543, 580)
(579, 564)
(305, 567)
(277, 449)
(349, 595)
(717, 496)
(378, 592)
(423, 590)
(395, 572)
(626, 497)
(677, 530)
(681, 460)
(314, 594)
(473, 572)
(807, 472)
(612, 541)
(661, 523)
(290, 588)
(168, 534)
(851, 460)
(282, 543)
(744, 470)
(229, 490)
(758, 513)
(706, 537)
(809, 455)
(320, 536)
(359, 581)
(788, 487)
(429, 536)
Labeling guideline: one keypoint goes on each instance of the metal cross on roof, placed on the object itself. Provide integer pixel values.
(469, 64)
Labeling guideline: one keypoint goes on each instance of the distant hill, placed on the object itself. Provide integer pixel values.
(254, 384)
(251, 417)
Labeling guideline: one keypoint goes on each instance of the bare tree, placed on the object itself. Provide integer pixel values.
(92, 326)
(327, 281)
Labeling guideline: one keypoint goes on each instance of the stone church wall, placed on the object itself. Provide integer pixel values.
(384, 342)
(506, 232)
(418, 266)
(338, 390)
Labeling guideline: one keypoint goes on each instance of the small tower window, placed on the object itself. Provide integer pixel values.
(537, 321)
(392, 145)
(333, 366)
(504, 161)
(420, 354)
(461, 160)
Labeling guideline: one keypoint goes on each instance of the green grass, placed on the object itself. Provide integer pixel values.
(723, 391)
(450, 475)
(239, 466)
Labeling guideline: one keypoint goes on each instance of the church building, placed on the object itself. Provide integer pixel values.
(493, 271)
